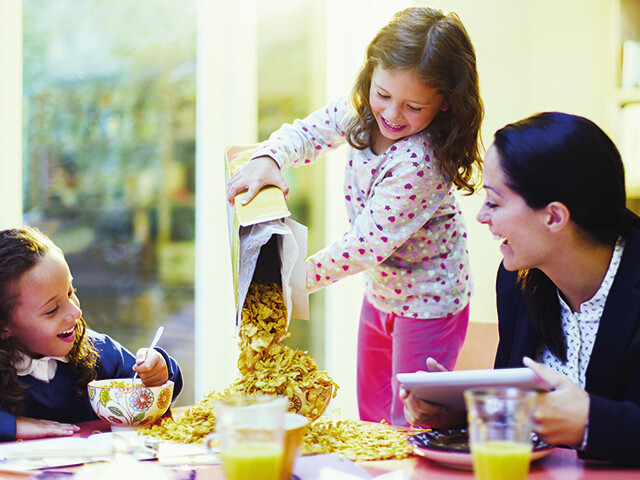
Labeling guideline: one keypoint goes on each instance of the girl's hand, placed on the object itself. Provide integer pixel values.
(153, 371)
(253, 176)
(421, 412)
(561, 415)
(27, 428)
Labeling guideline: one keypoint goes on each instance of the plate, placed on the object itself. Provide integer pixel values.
(451, 447)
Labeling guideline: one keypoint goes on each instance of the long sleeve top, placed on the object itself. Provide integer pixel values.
(55, 400)
(407, 232)
(613, 371)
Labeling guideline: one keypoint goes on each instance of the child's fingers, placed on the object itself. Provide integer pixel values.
(282, 185)
(154, 370)
(251, 193)
(141, 354)
(232, 191)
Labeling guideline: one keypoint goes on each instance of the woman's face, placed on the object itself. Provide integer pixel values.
(47, 308)
(520, 228)
(402, 103)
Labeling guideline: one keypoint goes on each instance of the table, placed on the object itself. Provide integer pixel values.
(560, 464)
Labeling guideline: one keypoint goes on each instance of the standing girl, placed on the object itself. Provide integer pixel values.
(413, 132)
(47, 355)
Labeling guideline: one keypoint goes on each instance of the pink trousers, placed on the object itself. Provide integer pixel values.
(389, 344)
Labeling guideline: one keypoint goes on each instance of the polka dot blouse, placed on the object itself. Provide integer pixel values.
(407, 233)
(580, 328)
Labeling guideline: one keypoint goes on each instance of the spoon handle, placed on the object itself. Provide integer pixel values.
(153, 344)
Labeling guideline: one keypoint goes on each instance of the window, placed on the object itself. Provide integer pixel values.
(109, 91)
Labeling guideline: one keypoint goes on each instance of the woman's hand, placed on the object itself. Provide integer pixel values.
(35, 428)
(153, 371)
(253, 176)
(420, 412)
(561, 415)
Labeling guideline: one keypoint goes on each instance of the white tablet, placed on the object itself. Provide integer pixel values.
(446, 388)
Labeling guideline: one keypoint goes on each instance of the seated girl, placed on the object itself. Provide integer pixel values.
(47, 354)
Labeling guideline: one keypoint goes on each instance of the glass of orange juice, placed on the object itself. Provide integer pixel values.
(250, 432)
(500, 421)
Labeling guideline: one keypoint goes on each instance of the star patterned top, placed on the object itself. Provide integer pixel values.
(407, 233)
(580, 328)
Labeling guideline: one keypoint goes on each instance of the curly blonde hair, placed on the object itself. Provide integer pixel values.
(437, 47)
(20, 250)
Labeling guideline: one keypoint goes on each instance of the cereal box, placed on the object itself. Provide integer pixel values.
(266, 245)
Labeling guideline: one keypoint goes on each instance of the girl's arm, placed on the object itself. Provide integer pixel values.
(291, 145)
(259, 172)
(152, 367)
(13, 428)
(306, 140)
(118, 362)
(36, 428)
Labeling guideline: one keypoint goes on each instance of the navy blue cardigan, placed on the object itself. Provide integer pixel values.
(613, 374)
(54, 400)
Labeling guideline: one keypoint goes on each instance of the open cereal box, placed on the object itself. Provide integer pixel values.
(266, 245)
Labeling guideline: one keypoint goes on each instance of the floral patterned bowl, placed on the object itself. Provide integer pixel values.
(125, 402)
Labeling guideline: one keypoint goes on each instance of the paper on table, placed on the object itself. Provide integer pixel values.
(66, 451)
(332, 474)
(395, 475)
(309, 467)
(345, 471)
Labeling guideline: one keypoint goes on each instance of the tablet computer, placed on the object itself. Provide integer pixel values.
(446, 388)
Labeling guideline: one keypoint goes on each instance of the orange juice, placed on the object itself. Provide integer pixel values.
(501, 460)
(255, 461)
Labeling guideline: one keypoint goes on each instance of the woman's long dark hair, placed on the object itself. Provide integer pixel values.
(557, 157)
(437, 47)
(20, 250)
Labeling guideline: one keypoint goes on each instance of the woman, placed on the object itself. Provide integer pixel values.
(568, 289)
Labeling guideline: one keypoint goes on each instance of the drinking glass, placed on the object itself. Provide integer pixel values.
(250, 432)
(500, 421)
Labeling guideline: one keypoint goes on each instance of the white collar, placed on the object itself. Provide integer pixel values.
(43, 369)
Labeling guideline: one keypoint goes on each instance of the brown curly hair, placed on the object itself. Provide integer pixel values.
(437, 47)
(20, 250)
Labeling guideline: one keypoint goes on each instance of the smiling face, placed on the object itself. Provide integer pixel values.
(522, 230)
(47, 308)
(402, 105)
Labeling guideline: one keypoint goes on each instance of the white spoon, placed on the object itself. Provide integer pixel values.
(153, 344)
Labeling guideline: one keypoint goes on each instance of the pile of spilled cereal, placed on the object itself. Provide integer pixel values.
(269, 367)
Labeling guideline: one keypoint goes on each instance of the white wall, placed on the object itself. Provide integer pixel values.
(532, 57)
